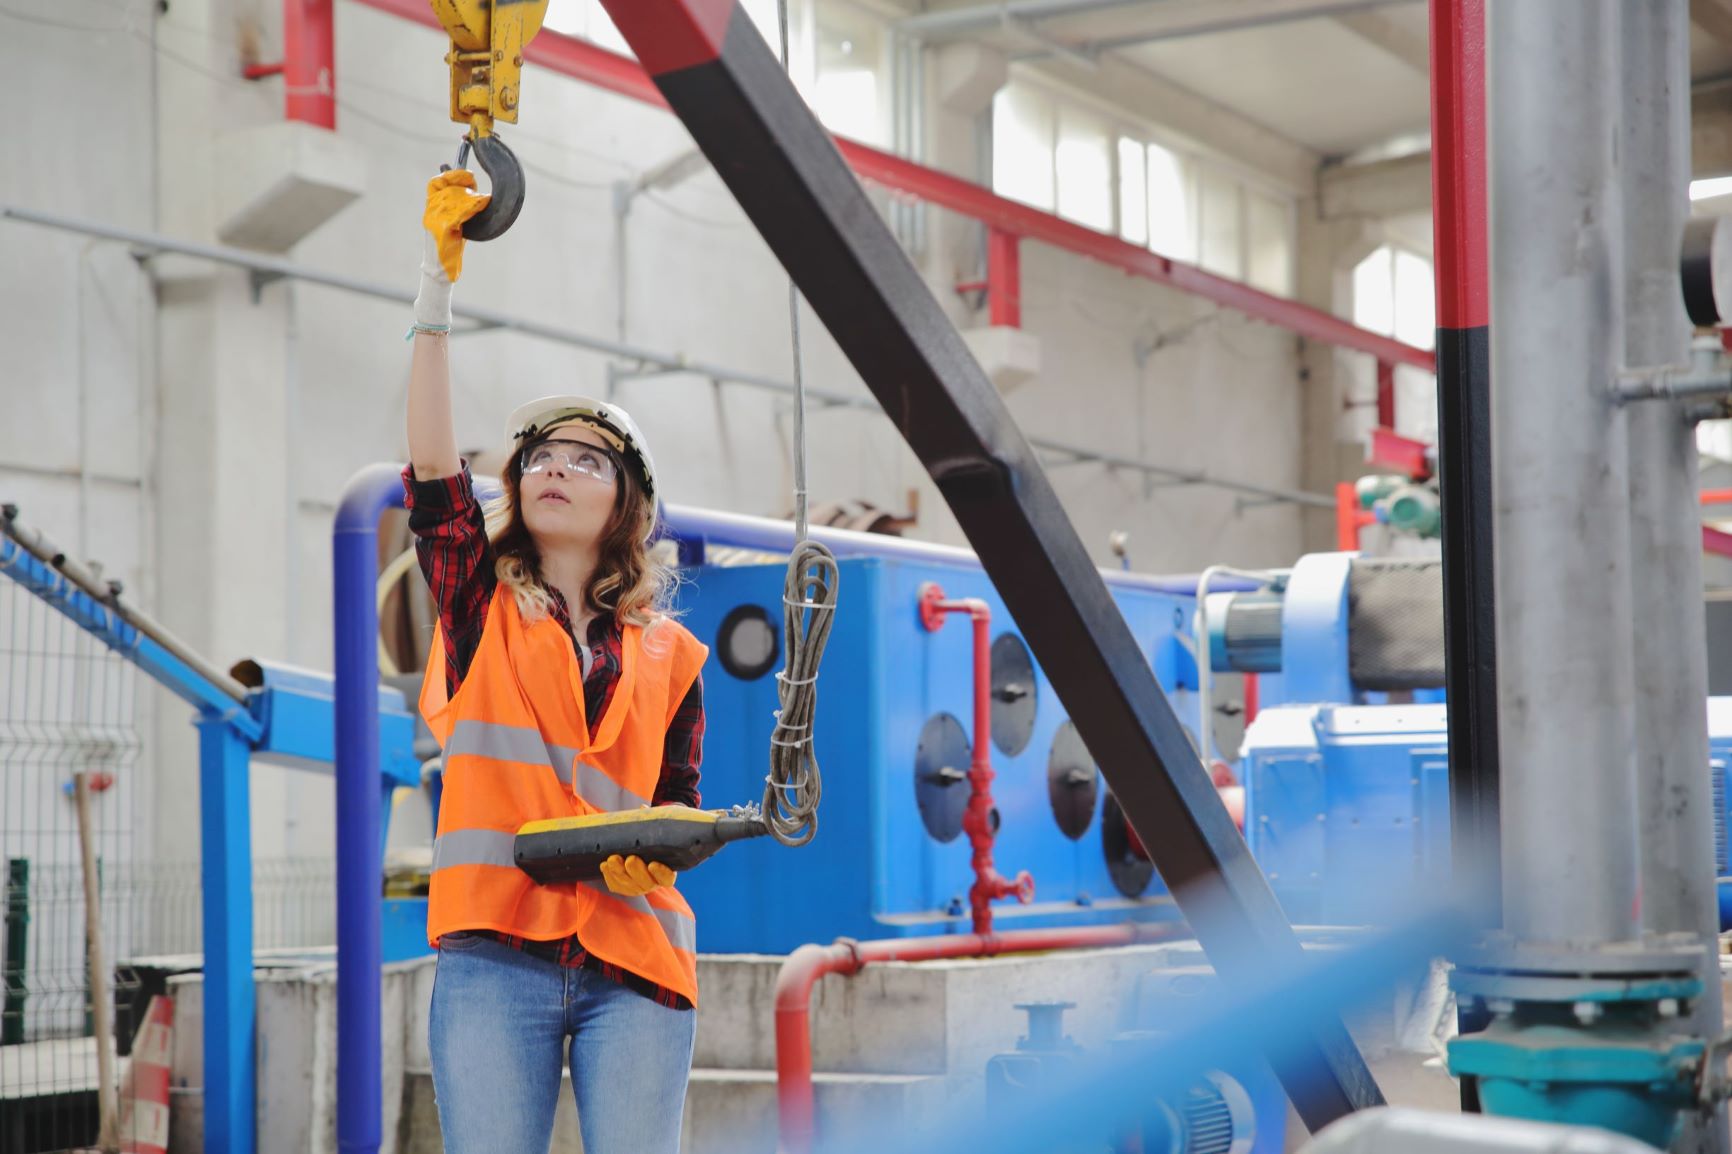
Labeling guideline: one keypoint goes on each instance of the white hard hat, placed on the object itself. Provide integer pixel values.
(612, 423)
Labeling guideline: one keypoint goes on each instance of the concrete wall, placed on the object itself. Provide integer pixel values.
(219, 426)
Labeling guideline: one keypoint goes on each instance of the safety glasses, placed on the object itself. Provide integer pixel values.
(570, 457)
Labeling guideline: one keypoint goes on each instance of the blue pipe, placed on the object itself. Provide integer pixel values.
(694, 528)
(355, 564)
(1724, 888)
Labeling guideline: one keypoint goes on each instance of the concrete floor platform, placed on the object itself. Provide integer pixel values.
(895, 1045)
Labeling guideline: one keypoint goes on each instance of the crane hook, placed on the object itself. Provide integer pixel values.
(504, 174)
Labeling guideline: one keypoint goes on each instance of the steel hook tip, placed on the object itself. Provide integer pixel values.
(505, 175)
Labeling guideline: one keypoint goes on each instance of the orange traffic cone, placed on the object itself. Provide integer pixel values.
(144, 1087)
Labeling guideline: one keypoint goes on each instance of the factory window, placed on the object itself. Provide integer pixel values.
(1067, 157)
(1172, 204)
(1023, 124)
(1221, 219)
(850, 87)
(1189, 210)
(1134, 208)
(585, 18)
(1083, 163)
(1393, 295)
(1268, 243)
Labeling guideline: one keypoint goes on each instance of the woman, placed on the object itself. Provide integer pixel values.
(557, 686)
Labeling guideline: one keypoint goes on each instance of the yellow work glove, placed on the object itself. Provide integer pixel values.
(631, 877)
(451, 200)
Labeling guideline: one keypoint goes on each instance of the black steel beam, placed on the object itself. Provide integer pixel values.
(728, 88)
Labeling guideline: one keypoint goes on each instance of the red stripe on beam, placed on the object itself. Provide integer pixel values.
(674, 34)
(1716, 541)
(1394, 451)
(1458, 162)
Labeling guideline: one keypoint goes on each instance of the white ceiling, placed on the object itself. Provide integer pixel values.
(1313, 81)
(1316, 81)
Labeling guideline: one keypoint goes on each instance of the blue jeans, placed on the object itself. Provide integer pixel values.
(499, 1032)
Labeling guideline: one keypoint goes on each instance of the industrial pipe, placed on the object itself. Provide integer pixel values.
(693, 528)
(795, 1106)
(1675, 803)
(1349, 517)
(980, 820)
(1205, 649)
(355, 565)
(1565, 615)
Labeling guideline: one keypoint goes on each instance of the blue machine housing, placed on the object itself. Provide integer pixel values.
(1347, 806)
(874, 870)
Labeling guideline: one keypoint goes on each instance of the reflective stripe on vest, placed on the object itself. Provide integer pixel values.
(526, 746)
(491, 847)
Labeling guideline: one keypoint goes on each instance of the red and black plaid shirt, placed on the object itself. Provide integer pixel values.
(457, 559)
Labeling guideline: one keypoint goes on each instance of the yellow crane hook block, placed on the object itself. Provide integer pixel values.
(486, 58)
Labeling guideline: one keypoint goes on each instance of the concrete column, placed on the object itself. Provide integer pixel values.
(223, 474)
(1328, 250)
(1562, 486)
(1674, 793)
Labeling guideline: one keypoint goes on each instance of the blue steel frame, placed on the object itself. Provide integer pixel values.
(287, 719)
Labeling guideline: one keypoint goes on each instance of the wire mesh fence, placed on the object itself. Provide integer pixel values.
(69, 705)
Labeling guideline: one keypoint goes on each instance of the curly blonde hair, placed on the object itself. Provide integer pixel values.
(628, 583)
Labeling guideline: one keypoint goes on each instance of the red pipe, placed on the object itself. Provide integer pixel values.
(1386, 394)
(980, 821)
(1349, 517)
(1004, 278)
(794, 1098)
(583, 61)
(309, 62)
(1717, 496)
(1251, 694)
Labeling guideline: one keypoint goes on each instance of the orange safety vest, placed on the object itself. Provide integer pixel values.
(519, 749)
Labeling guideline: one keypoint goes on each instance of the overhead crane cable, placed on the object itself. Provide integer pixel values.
(794, 785)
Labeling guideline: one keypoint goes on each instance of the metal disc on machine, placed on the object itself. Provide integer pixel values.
(1013, 694)
(748, 643)
(1072, 782)
(941, 775)
(1127, 861)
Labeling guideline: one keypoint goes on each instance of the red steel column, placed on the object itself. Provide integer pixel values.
(1464, 463)
(1004, 278)
(309, 62)
(1458, 173)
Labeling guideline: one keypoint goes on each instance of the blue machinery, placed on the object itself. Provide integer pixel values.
(1345, 770)
(1346, 800)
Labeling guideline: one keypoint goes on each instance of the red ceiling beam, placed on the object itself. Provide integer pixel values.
(581, 60)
